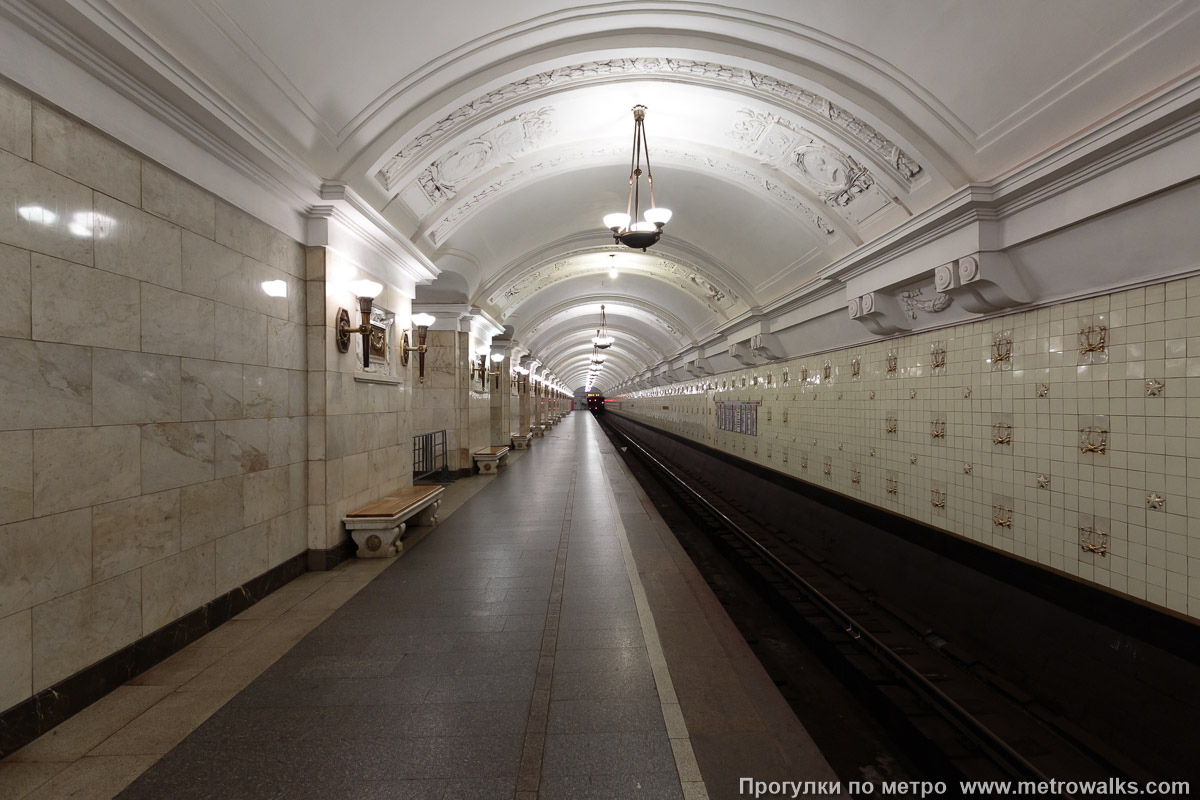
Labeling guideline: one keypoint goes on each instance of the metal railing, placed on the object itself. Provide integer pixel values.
(429, 457)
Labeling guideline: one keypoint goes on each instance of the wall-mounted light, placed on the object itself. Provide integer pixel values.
(495, 372)
(422, 323)
(366, 292)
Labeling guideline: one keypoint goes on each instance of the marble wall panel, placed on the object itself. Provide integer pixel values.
(242, 446)
(16, 122)
(211, 390)
(177, 454)
(85, 155)
(265, 391)
(297, 393)
(15, 320)
(44, 385)
(238, 230)
(83, 305)
(213, 271)
(176, 585)
(240, 557)
(286, 536)
(210, 510)
(44, 558)
(241, 335)
(172, 198)
(131, 533)
(285, 344)
(16, 658)
(355, 473)
(16, 476)
(131, 242)
(80, 467)
(26, 185)
(297, 485)
(316, 482)
(71, 632)
(175, 323)
(288, 440)
(258, 277)
(130, 387)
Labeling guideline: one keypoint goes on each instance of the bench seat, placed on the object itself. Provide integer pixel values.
(520, 441)
(378, 527)
(490, 459)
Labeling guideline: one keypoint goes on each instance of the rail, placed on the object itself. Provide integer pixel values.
(429, 456)
(958, 716)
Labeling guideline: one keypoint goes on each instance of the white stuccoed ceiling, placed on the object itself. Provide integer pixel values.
(783, 135)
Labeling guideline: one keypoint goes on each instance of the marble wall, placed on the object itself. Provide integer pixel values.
(360, 432)
(154, 432)
(1068, 436)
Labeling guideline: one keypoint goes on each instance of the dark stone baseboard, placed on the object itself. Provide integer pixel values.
(322, 560)
(26, 721)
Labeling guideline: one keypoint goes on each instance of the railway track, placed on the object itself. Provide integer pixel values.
(961, 720)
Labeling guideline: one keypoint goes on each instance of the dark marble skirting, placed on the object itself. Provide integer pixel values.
(25, 722)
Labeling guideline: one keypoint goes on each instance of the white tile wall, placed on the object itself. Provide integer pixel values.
(1153, 443)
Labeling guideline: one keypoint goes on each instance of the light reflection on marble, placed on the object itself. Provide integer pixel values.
(26, 184)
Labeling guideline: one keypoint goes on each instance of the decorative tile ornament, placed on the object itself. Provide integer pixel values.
(1093, 535)
(1043, 390)
(827, 372)
(804, 462)
(912, 459)
(937, 358)
(967, 468)
(1002, 347)
(855, 368)
(1043, 481)
(937, 497)
(828, 467)
(872, 395)
(1155, 501)
(1093, 340)
(1002, 430)
(892, 484)
(1093, 435)
(1002, 511)
(966, 393)
(892, 423)
(872, 452)
(912, 394)
(787, 376)
(890, 365)
(855, 474)
(839, 395)
(804, 374)
(1155, 388)
(785, 416)
(937, 428)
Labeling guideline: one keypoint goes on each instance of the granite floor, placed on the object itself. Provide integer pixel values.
(524, 649)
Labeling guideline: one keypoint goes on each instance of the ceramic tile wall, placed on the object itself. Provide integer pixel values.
(153, 429)
(360, 435)
(1009, 471)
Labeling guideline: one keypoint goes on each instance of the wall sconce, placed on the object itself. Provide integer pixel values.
(422, 323)
(366, 292)
(495, 373)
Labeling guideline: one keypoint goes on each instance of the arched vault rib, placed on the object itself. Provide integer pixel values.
(641, 341)
(615, 308)
(636, 357)
(683, 255)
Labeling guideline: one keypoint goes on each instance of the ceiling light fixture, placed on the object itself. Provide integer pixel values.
(638, 235)
(602, 340)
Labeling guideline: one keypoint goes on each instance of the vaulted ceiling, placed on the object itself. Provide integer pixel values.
(784, 135)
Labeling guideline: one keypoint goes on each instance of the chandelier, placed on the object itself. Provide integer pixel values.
(624, 229)
(602, 340)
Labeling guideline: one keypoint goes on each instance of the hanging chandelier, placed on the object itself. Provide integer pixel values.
(638, 235)
(602, 340)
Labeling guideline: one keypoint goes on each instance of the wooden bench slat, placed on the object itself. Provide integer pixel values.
(491, 451)
(396, 502)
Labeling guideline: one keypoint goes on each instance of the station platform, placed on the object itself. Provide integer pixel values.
(549, 638)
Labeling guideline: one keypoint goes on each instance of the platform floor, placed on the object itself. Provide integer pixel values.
(548, 639)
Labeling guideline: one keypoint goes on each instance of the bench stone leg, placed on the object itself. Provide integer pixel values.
(521, 444)
(504, 460)
(378, 542)
(428, 515)
(487, 467)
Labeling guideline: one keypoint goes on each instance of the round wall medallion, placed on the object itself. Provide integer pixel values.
(374, 542)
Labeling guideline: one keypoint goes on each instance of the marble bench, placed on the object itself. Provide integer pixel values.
(490, 459)
(377, 527)
(520, 442)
